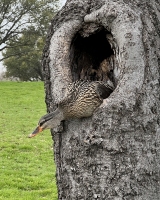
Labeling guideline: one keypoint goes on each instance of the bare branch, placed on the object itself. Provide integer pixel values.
(13, 55)
(9, 31)
(14, 26)
(4, 11)
(1, 49)
(8, 56)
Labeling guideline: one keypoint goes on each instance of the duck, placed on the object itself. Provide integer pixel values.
(81, 100)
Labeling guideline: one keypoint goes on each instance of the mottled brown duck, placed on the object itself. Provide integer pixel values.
(82, 98)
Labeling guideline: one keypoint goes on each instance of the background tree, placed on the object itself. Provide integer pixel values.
(25, 64)
(23, 27)
(115, 154)
(16, 16)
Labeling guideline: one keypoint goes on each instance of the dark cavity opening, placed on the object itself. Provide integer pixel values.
(92, 57)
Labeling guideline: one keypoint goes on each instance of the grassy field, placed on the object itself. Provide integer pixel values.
(27, 168)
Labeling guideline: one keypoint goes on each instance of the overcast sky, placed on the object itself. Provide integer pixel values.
(61, 3)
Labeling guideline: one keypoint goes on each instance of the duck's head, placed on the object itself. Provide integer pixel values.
(48, 121)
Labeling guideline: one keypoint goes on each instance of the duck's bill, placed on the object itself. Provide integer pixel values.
(35, 132)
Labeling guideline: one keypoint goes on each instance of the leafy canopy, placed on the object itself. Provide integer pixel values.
(16, 16)
(25, 64)
(23, 26)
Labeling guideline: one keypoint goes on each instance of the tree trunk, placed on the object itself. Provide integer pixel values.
(115, 154)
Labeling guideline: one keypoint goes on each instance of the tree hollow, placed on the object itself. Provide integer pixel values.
(91, 57)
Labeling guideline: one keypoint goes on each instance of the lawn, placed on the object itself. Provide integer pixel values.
(27, 168)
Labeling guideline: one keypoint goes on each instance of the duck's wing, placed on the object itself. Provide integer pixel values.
(89, 89)
(73, 91)
(76, 86)
(104, 89)
(84, 97)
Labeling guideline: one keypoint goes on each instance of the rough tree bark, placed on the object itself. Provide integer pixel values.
(115, 154)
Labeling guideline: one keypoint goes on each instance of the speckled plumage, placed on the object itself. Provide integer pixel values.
(81, 100)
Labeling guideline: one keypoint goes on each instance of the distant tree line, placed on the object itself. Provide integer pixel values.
(23, 28)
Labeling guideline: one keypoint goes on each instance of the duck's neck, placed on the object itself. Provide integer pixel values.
(54, 118)
(59, 113)
(53, 115)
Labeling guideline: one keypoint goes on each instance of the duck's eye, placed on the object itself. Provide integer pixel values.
(41, 123)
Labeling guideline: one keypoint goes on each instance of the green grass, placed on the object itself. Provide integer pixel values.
(27, 168)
